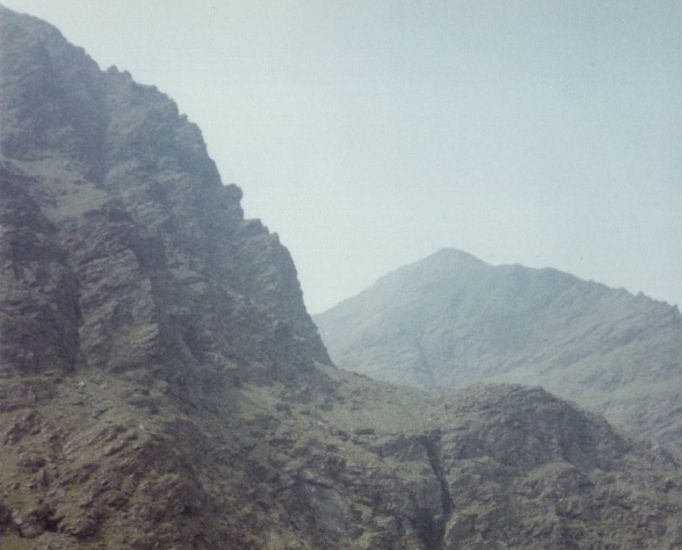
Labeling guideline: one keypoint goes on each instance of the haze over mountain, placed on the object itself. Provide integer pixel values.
(452, 320)
(539, 132)
(162, 386)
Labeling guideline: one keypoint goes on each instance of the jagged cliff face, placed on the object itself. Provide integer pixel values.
(161, 385)
(452, 320)
(146, 254)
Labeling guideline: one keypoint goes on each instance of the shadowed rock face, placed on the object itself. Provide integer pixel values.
(137, 215)
(161, 385)
(38, 294)
(452, 320)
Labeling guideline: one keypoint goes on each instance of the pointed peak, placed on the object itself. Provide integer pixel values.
(453, 254)
(448, 259)
(443, 263)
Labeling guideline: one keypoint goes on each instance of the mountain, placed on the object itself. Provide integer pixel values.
(452, 320)
(162, 386)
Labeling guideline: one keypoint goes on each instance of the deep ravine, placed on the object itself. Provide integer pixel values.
(433, 528)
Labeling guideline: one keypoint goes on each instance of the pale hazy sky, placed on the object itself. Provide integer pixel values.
(370, 133)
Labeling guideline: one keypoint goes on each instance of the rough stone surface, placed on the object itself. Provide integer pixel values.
(162, 387)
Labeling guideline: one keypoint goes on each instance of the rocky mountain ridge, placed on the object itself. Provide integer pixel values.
(452, 320)
(162, 386)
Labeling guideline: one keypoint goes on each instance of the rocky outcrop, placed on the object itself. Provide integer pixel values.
(451, 320)
(527, 470)
(161, 385)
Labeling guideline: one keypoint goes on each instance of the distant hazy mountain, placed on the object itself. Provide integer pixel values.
(451, 319)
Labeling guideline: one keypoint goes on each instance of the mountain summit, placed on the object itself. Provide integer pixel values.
(452, 320)
(162, 386)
